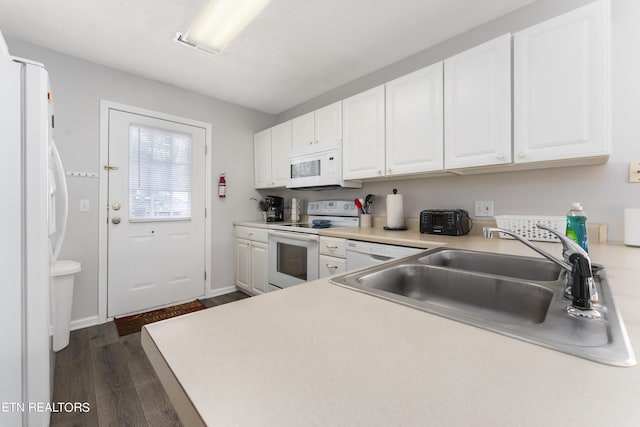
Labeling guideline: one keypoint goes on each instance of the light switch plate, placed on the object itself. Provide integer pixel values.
(484, 207)
(84, 205)
(634, 172)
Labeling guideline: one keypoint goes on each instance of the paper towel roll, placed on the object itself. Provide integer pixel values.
(395, 211)
(632, 227)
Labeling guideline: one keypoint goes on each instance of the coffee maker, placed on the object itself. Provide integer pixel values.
(275, 212)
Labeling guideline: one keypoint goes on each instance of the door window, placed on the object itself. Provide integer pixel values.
(159, 174)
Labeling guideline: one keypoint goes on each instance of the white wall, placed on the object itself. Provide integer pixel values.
(77, 87)
(603, 190)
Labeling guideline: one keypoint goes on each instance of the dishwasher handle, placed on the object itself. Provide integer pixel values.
(380, 258)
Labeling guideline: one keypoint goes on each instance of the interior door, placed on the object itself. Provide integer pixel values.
(156, 230)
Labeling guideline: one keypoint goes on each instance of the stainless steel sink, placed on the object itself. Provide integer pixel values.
(504, 265)
(497, 299)
(520, 297)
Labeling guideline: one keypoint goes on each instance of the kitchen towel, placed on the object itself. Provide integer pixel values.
(395, 211)
(632, 227)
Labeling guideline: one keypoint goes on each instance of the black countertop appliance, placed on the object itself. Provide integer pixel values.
(275, 212)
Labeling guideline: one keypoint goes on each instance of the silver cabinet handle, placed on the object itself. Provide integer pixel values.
(115, 220)
(331, 266)
(332, 247)
(500, 156)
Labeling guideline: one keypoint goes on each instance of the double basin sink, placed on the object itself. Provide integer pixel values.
(516, 296)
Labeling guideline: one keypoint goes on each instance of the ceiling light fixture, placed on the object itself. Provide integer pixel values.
(219, 22)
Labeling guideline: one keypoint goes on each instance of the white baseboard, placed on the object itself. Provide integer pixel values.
(221, 291)
(83, 323)
(79, 324)
(93, 320)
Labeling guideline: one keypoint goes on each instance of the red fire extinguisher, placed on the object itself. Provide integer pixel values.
(222, 187)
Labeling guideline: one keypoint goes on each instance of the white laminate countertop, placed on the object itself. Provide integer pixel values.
(319, 354)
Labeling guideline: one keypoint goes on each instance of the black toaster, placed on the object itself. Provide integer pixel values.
(449, 222)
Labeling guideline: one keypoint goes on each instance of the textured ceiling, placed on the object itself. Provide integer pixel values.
(294, 51)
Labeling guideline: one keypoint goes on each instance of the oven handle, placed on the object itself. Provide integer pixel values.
(296, 236)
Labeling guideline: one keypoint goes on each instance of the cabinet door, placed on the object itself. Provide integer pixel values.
(280, 152)
(302, 134)
(328, 125)
(477, 105)
(561, 86)
(363, 134)
(259, 267)
(328, 266)
(243, 264)
(262, 159)
(414, 127)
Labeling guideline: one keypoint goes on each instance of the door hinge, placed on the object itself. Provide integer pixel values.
(205, 212)
(205, 275)
(205, 150)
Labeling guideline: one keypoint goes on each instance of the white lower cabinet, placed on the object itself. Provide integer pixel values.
(330, 265)
(252, 259)
(333, 254)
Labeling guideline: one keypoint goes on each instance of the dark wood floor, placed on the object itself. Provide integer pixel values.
(113, 375)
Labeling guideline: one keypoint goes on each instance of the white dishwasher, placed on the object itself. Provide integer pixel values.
(365, 254)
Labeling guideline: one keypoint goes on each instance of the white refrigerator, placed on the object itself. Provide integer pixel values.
(29, 242)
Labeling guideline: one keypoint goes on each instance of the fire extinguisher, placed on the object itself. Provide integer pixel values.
(222, 187)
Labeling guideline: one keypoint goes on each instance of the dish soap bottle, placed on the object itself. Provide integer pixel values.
(577, 226)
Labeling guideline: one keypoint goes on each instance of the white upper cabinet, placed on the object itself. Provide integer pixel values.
(280, 151)
(414, 122)
(363, 134)
(302, 133)
(477, 105)
(328, 125)
(561, 86)
(262, 159)
(271, 150)
(318, 130)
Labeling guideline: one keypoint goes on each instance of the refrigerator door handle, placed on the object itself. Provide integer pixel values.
(59, 170)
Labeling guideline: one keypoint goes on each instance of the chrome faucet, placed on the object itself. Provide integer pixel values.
(580, 285)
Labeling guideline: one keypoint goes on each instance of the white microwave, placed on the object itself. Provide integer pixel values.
(321, 170)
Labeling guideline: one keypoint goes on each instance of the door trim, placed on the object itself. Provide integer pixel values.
(105, 106)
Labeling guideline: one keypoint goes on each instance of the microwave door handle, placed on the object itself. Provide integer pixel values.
(295, 236)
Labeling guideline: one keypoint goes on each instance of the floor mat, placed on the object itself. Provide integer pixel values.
(132, 324)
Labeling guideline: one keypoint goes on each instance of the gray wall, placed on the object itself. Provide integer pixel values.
(603, 190)
(77, 87)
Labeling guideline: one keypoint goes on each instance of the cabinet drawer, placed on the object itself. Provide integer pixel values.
(333, 246)
(329, 265)
(252, 233)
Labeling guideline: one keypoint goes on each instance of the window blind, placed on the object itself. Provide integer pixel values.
(160, 178)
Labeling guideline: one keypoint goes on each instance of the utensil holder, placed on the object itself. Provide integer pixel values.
(366, 220)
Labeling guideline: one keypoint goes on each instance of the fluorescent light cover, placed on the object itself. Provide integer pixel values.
(221, 20)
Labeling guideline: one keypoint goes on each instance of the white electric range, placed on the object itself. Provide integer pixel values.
(294, 248)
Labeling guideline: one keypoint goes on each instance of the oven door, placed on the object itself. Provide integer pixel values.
(293, 258)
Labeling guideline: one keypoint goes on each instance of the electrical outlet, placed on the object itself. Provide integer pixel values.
(484, 207)
(634, 172)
